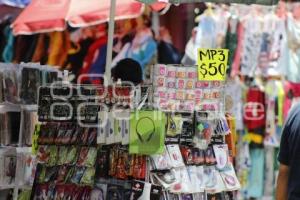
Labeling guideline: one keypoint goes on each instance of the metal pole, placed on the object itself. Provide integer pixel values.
(111, 27)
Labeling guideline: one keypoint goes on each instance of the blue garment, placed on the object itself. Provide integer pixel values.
(145, 53)
(206, 32)
(8, 50)
(98, 67)
(289, 153)
(292, 60)
(15, 3)
(256, 178)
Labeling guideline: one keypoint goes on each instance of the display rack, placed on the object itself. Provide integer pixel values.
(188, 145)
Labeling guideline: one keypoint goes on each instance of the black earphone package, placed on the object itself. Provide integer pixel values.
(145, 191)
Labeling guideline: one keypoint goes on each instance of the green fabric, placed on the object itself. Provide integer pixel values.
(147, 132)
(256, 179)
(231, 42)
(280, 103)
(35, 137)
(8, 50)
(24, 195)
(263, 2)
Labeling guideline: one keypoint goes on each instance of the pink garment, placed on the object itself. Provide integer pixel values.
(237, 57)
(291, 90)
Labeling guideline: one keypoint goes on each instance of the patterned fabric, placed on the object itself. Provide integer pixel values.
(251, 46)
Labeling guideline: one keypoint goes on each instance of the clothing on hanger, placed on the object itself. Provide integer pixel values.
(24, 48)
(7, 54)
(41, 51)
(231, 40)
(75, 59)
(91, 54)
(58, 49)
(256, 176)
(143, 48)
(292, 62)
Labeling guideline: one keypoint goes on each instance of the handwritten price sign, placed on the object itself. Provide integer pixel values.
(212, 64)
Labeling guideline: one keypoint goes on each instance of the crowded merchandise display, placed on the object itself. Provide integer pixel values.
(193, 114)
(19, 91)
(133, 154)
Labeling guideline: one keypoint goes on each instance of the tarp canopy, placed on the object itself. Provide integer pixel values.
(53, 15)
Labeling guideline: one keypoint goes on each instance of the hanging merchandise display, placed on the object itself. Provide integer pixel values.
(130, 152)
(178, 88)
(18, 113)
(20, 83)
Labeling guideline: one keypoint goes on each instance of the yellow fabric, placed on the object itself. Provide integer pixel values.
(40, 49)
(253, 137)
(231, 139)
(75, 48)
(280, 103)
(58, 50)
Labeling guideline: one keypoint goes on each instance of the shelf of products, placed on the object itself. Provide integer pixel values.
(101, 146)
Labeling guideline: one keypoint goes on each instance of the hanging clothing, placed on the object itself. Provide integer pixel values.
(41, 51)
(255, 116)
(119, 44)
(8, 51)
(292, 91)
(91, 55)
(206, 32)
(25, 46)
(58, 49)
(75, 58)
(293, 52)
(235, 68)
(231, 40)
(143, 48)
(277, 52)
(274, 118)
(256, 179)
(234, 95)
(254, 110)
(252, 42)
(121, 55)
(3, 38)
(189, 56)
(98, 66)
(269, 173)
(167, 53)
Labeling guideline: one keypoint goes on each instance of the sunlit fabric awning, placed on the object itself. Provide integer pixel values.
(53, 15)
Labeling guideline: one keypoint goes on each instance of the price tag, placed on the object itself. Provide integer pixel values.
(212, 64)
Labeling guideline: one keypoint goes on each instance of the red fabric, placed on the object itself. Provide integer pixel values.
(254, 112)
(89, 58)
(291, 90)
(238, 52)
(51, 15)
(158, 6)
